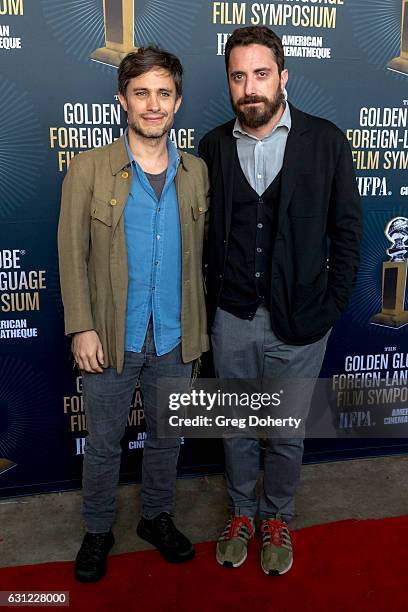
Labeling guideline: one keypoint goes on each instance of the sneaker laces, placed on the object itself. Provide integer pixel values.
(275, 532)
(234, 527)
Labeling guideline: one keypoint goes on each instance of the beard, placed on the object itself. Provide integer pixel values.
(255, 116)
(151, 132)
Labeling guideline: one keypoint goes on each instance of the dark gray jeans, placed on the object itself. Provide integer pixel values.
(107, 398)
(250, 349)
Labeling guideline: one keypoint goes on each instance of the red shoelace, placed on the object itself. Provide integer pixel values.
(235, 526)
(275, 528)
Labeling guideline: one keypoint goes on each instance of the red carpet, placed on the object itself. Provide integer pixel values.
(354, 566)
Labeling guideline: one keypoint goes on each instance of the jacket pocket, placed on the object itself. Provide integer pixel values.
(199, 208)
(309, 296)
(101, 211)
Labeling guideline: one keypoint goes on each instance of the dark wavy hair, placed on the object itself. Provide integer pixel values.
(256, 35)
(144, 59)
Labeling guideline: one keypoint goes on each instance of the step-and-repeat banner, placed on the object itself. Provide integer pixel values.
(347, 61)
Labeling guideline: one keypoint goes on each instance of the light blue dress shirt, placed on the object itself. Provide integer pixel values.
(153, 241)
(262, 159)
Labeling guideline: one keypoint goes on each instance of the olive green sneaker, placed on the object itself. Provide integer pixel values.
(232, 546)
(276, 554)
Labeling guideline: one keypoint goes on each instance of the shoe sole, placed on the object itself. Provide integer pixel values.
(277, 572)
(88, 579)
(230, 564)
(145, 536)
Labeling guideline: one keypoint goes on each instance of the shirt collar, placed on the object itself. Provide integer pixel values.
(174, 158)
(284, 121)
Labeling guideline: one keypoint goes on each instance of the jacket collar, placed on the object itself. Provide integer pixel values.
(300, 120)
(119, 158)
(118, 155)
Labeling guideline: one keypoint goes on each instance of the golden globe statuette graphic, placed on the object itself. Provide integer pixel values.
(394, 277)
(6, 464)
(119, 38)
(400, 64)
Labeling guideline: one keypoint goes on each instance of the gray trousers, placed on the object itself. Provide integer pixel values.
(107, 398)
(250, 349)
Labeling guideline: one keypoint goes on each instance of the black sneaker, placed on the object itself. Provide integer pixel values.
(90, 563)
(173, 546)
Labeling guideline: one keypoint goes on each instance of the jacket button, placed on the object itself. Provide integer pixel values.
(220, 276)
(125, 175)
(200, 209)
(113, 202)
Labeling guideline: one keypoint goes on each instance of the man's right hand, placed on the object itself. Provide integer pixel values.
(87, 351)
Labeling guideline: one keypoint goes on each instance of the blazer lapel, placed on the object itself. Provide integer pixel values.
(295, 154)
(228, 152)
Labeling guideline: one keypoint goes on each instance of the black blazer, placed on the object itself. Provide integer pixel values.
(316, 251)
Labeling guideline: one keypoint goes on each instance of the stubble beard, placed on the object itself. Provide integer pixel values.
(255, 117)
(153, 135)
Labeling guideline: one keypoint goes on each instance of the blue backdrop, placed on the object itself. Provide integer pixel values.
(55, 101)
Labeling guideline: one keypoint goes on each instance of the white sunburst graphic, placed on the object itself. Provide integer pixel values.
(20, 142)
(377, 27)
(79, 24)
(309, 97)
(157, 21)
(22, 422)
(216, 112)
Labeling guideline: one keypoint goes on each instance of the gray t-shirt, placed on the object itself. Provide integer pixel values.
(157, 182)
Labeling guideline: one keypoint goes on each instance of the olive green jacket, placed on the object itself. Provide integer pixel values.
(93, 256)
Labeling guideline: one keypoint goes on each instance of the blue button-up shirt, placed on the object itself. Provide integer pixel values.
(153, 243)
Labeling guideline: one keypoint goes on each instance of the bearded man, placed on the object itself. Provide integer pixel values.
(282, 257)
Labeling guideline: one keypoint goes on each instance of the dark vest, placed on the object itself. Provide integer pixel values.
(253, 227)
